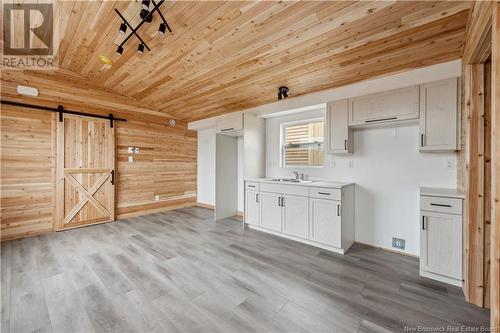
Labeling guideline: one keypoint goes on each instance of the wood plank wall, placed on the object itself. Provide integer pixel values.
(479, 160)
(165, 165)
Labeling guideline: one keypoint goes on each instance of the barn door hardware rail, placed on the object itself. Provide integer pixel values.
(60, 109)
(147, 17)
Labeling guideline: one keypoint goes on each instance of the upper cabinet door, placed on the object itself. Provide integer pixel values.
(339, 138)
(394, 105)
(439, 115)
(229, 123)
(296, 216)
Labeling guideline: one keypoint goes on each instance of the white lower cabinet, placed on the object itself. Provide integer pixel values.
(441, 241)
(295, 216)
(320, 216)
(252, 207)
(270, 211)
(326, 221)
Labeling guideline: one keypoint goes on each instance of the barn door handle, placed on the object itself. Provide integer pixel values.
(112, 177)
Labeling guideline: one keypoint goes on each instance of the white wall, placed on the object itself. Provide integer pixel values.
(206, 166)
(388, 171)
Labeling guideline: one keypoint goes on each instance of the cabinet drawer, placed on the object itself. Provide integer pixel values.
(325, 193)
(252, 186)
(441, 204)
(285, 189)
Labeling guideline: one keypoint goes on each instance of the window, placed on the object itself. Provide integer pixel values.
(303, 143)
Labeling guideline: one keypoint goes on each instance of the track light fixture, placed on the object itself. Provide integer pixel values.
(162, 29)
(123, 28)
(282, 92)
(146, 15)
(140, 48)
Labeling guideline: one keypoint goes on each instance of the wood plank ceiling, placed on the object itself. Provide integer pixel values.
(228, 56)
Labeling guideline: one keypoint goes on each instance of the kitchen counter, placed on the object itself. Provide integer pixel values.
(326, 184)
(442, 192)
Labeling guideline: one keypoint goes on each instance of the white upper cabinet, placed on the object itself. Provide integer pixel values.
(389, 106)
(439, 116)
(338, 135)
(230, 124)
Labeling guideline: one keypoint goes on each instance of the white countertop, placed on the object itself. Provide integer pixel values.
(442, 192)
(329, 184)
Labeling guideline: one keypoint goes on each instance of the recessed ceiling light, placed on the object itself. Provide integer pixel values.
(105, 60)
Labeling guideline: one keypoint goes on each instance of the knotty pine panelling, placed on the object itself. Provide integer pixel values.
(27, 167)
(165, 165)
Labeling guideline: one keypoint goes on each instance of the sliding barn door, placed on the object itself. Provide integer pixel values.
(85, 172)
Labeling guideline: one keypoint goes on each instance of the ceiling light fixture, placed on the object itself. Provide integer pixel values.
(140, 48)
(123, 29)
(27, 91)
(283, 92)
(146, 17)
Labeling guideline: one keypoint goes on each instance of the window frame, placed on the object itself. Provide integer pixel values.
(283, 126)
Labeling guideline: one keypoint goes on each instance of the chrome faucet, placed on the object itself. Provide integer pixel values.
(296, 173)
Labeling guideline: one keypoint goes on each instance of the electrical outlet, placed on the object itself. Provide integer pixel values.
(136, 150)
(130, 150)
(398, 243)
(450, 164)
(131, 159)
(157, 197)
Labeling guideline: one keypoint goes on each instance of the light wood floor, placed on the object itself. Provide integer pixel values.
(180, 272)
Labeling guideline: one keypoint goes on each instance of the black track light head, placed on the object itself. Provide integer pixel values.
(145, 4)
(140, 48)
(162, 29)
(145, 15)
(119, 50)
(123, 28)
(283, 92)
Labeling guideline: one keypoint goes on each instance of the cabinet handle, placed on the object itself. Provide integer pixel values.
(256, 197)
(279, 201)
(282, 201)
(423, 222)
(422, 140)
(345, 144)
(381, 119)
(227, 129)
(324, 193)
(338, 210)
(440, 205)
(251, 185)
(112, 177)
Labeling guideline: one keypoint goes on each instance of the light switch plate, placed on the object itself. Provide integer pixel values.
(130, 150)
(450, 164)
(136, 150)
(131, 159)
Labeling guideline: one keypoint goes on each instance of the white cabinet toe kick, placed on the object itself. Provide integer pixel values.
(317, 213)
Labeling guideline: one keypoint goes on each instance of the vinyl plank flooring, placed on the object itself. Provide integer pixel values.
(180, 271)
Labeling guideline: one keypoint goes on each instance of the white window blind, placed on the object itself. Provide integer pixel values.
(303, 144)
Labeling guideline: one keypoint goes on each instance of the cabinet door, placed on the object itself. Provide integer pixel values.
(326, 221)
(338, 134)
(229, 123)
(400, 104)
(441, 244)
(252, 207)
(439, 116)
(270, 211)
(296, 216)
